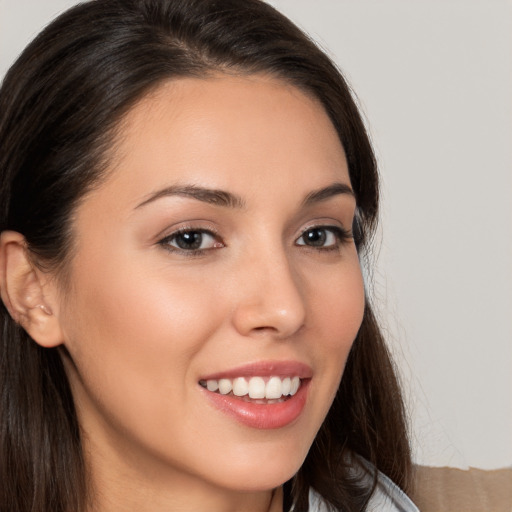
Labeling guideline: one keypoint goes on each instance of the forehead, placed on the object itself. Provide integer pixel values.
(228, 132)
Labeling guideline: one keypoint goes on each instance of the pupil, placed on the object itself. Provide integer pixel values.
(316, 237)
(190, 240)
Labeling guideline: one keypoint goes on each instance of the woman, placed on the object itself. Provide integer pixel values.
(187, 193)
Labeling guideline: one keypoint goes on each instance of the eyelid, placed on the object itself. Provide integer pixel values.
(188, 225)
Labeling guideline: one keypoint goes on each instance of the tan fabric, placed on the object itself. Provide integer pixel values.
(456, 490)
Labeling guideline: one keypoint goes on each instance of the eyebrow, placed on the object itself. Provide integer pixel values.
(325, 193)
(206, 195)
(230, 200)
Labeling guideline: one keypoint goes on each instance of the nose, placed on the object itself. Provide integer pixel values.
(271, 297)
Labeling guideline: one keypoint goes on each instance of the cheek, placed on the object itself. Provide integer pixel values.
(337, 305)
(136, 331)
(134, 346)
(127, 305)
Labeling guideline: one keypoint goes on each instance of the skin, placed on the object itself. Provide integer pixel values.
(142, 321)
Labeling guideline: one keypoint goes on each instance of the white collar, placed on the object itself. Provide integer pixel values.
(388, 497)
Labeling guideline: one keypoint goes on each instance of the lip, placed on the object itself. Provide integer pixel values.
(280, 369)
(262, 416)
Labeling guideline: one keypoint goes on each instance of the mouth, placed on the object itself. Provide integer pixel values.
(266, 395)
(256, 389)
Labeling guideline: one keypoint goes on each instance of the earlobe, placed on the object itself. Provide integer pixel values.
(26, 292)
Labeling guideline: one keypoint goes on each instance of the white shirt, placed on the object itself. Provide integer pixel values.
(388, 497)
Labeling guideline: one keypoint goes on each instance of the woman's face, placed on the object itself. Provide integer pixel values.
(216, 252)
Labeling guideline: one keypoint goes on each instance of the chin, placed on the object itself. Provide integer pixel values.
(261, 479)
(261, 473)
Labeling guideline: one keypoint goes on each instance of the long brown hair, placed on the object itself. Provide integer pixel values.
(60, 104)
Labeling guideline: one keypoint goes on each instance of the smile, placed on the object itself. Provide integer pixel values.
(263, 395)
(259, 389)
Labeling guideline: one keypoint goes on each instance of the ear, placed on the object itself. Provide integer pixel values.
(27, 292)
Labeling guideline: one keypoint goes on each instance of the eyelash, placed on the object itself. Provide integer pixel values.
(342, 236)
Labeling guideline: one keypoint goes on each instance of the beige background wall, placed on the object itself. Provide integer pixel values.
(434, 79)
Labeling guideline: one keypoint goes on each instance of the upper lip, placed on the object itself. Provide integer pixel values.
(264, 369)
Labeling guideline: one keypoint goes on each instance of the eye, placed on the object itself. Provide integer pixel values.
(191, 240)
(326, 237)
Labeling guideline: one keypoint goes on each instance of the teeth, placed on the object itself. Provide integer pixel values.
(240, 387)
(257, 387)
(212, 385)
(225, 386)
(287, 385)
(274, 388)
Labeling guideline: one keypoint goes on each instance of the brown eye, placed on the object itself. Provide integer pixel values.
(318, 237)
(324, 237)
(315, 237)
(191, 240)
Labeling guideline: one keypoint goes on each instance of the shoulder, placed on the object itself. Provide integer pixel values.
(387, 497)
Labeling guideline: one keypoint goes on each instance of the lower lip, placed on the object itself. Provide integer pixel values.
(261, 416)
